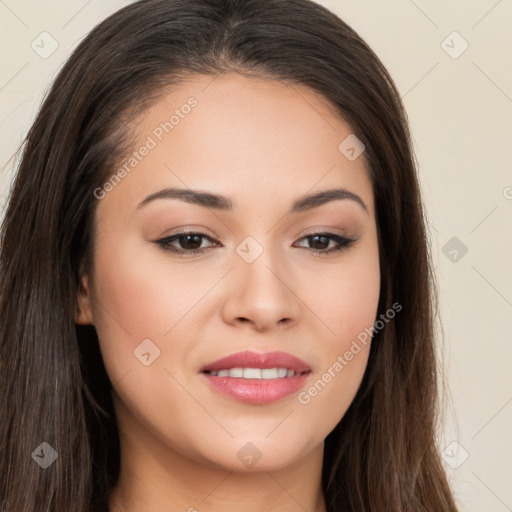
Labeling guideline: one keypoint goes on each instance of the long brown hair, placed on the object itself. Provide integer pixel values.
(54, 388)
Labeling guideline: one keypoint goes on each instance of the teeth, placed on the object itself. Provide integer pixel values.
(255, 373)
(252, 373)
(269, 373)
(234, 372)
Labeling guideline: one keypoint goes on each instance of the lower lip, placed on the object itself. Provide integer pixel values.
(257, 391)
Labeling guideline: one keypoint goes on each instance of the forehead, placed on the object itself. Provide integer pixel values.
(233, 135)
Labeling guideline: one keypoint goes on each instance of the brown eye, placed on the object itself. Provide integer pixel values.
(186, 242)
(319, 242)
(190, 242)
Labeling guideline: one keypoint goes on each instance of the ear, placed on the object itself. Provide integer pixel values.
(83, 313)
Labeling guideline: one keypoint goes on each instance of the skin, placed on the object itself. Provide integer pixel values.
(264, 145)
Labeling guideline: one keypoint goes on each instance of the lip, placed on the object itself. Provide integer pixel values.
(249, 359)
(257, 391)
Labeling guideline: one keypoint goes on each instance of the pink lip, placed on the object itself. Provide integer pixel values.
(257, 391)
(248, 359)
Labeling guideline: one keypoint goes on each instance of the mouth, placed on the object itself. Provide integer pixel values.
(257, 378)
(255, 373)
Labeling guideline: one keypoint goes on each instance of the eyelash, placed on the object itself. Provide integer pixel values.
(343, 243)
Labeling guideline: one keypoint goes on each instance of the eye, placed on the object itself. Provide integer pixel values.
(321, 242)
(190, 243)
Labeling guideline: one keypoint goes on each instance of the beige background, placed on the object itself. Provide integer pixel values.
(460, 109)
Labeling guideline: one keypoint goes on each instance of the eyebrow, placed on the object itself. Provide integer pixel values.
(219, 202)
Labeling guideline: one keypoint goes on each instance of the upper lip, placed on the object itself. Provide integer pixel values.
(249, 359)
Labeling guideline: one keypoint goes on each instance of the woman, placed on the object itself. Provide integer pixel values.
(216, 285)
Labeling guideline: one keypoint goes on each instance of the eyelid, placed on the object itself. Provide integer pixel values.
(320, 230)
(343, 242)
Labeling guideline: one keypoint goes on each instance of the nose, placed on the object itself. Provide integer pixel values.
(260, 294)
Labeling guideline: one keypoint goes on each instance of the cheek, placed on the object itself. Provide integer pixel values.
(346, 297)
(139, 295)
(346, 300)
(132, 302)
(143, 295)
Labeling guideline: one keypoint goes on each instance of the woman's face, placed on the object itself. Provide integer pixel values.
(251, 281)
